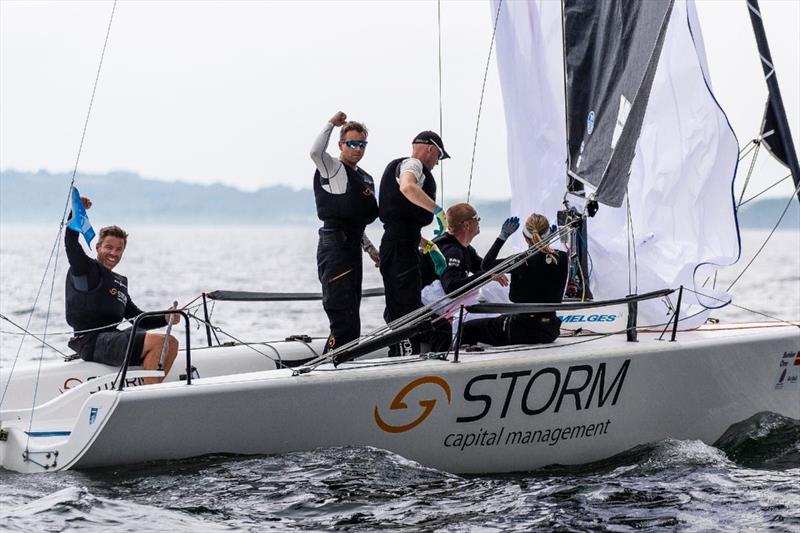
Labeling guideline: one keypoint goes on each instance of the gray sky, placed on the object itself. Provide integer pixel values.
(235, 92)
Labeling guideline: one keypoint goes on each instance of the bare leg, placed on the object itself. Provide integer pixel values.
(151, 354)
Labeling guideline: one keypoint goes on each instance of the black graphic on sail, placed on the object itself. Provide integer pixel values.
(775, 133)
(611, 52)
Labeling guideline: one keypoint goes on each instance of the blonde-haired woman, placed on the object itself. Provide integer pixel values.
(541, 279)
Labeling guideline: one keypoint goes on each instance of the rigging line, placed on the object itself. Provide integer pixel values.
(353, 365)
(24, 332)
(633, 245)
(564, 78)
(91, 102)
(186, 306)
(747, 149)
(628, 239)
(774, 228)
(765, 190)
(30, 315)
(496, 349)
(788, 322)
(425, 312)
(70, 333)
(583, 281)
(714, 285)
(243, 343)
(441, 122)
(594, 337)
(480, 104)
(66, 204)
(41, 352)
(749, 175)
(75, 331)
(510, 263)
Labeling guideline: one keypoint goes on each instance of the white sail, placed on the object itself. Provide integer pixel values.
(532, 81)
(680, 190)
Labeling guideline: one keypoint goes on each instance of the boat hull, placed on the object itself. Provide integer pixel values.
(52, 379)
(566, 403)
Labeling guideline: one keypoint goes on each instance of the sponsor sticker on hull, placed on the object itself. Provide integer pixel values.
(502, 408)
(788, 375)
(601, 320)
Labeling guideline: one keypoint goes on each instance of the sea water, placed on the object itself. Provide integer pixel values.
(751, 482)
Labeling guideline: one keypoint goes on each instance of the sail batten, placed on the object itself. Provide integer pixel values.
(609, 77)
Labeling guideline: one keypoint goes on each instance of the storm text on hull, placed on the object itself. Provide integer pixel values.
(581, 386)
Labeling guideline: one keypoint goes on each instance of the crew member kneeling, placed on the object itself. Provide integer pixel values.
(97, 301)
(540, 280)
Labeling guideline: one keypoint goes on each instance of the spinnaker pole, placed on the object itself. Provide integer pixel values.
(775, 132)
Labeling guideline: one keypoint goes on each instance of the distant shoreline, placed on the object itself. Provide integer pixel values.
(127, 199)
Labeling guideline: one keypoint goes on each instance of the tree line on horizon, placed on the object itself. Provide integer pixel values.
(125, 197)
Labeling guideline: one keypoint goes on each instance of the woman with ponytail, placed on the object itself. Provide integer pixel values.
(541, 279)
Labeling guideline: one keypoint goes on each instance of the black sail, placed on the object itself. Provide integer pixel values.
(775, 133)
(611, 51)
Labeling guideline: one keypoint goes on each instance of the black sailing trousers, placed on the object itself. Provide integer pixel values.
(402, 281)
(340, 270)
(505, 330)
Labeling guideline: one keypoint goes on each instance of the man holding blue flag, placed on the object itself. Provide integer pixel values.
(97, 300)
(80, 220)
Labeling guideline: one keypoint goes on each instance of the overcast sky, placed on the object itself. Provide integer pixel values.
(235, 92)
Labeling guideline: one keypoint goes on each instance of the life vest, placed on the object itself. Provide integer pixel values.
(352, 210)
(103, 305)
(400, 216)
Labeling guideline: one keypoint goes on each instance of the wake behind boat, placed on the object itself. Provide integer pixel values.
(582, 398)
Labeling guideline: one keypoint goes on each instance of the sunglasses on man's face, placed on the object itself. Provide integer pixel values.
(356, 144)
(476, 218)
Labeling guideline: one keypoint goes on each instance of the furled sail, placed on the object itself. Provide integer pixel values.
(612, 50)
(680, 190)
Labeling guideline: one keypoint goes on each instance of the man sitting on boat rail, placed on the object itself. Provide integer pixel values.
(464, 264)
(346, 204)
(97, 301)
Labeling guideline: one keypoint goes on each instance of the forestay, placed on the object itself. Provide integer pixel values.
(680, 187)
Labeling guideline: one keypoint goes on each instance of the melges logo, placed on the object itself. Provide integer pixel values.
(399, 403)
(588, 318)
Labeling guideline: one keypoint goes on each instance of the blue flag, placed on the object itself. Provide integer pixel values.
(80, 220)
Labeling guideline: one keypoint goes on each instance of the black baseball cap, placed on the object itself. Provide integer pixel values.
(430, 137)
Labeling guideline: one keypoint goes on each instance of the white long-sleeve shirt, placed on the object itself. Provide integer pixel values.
(332, 172)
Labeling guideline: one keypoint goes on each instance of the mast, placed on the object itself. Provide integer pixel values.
(577, 283)
(775, 133)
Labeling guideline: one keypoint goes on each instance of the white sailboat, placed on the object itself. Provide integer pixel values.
(580, 399)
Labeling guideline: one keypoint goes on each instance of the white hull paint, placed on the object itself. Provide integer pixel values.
(492, 412)
(56, 378)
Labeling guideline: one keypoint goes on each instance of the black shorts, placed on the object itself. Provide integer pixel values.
(108, 347)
